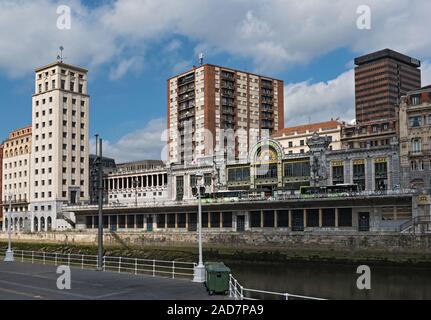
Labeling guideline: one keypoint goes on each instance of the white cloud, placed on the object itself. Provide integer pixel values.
(125, 66)
(272, 33)
(146, 143)
(306, 102)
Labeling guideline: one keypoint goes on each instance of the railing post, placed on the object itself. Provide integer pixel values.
(287, 296)
(154, 267)
(230, 286)
(43, 257)
(136, 266)
(82, 262)
(119, 265)
(56, 258)
(32, 257)
(68, 259)
(22, 256)
(104, 263)
(173, 269)
(242, 292)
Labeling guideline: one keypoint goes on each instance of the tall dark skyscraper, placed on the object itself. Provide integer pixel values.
(381, 78)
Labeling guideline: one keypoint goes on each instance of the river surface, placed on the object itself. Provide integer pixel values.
(333, 281)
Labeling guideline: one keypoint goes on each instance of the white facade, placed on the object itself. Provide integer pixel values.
(60, 148)
(16, 176)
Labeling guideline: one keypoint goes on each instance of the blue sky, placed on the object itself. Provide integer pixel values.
(131, 47)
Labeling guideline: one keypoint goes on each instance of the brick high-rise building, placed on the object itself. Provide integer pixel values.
(381, 78)
(220, 100)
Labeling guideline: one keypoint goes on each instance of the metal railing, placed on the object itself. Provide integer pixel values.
(284, 196)
(423, 219)
(152, 267)
(238, 292)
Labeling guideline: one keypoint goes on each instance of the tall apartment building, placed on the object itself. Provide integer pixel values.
(60, 151)
(217, 109)
(16, 171)
(381, 78)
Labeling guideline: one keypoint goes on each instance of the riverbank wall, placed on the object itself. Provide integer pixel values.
(248, 246)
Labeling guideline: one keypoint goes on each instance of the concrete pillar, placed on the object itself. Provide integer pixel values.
(221, 219)
(261, 218)
(336, 217)
(304, 212)
(275, 218)
(320, 217)
(290, 218)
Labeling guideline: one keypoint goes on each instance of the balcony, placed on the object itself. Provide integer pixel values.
(227, 85)
(228, 111)
(227, 75)
(227, 93)
(186, 79)
(186, 89)
(185, 106)
(186, 115)
(420, 153)
(266, 92)
(186, 97)
(266, 85)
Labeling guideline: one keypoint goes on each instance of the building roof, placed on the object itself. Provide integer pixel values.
(333, 124)
(387, 53)
(61, 64)
(223, 68)
(418, 91)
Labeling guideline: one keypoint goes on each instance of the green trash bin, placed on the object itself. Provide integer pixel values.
(217, 277)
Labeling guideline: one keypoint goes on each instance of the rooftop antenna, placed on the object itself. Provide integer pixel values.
(201, 58)
(60, 56)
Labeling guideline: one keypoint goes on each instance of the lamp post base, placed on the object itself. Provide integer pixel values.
(199, 273)
(9, 256)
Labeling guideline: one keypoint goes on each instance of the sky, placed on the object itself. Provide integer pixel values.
(131, 47)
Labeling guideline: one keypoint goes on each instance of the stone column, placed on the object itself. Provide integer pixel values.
(290, 218)
(336, 217)
(320, 217)
(304, 212)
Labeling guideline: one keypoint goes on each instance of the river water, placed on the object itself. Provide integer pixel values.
(333, 281)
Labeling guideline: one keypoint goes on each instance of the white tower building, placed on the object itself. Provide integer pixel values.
(60, 143)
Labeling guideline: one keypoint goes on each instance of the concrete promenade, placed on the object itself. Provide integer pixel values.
(25, 281)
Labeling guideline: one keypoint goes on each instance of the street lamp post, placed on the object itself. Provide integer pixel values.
(199, 270)
(9, 253)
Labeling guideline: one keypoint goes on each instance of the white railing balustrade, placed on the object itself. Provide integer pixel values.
(238, 292)
(155, 268)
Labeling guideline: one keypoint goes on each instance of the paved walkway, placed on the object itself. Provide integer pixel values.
(20, 281)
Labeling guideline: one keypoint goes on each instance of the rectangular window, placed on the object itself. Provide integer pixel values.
(215, 219)
(227, 219)
(282, 218)
(312, 217)
(415, 121)
(268, 219)
(161, 221)
(255, 219)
